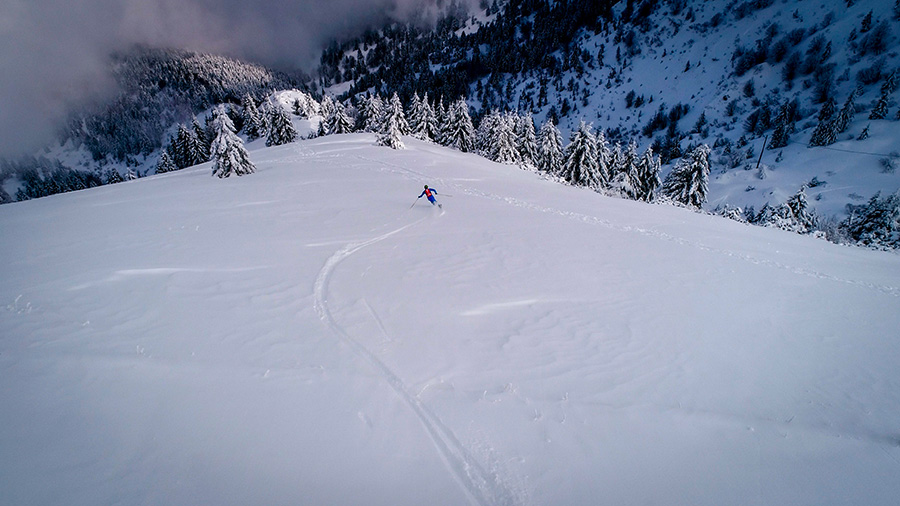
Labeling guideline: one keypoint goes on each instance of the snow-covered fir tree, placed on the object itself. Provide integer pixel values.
(504, 141)
(580, 166)
(864, 134)
(648, 175)
(197, 151)
(203, 139)
(876, 224)
(825, 132)
(460, 133)
(370, 114)
(626, 181)
(394, 112)
(794, 215)
(781, 134)
(113, 176)
(391, 135)
(604, 159)
(427, 127)
(186, 149)
(616, 162)
(688, 182)
(526, 140)
(550, 149)
(165, 163)
(254, 125)
(732, 213)
(281, 130)
(845, 115)
(339, 123)
(880, 111)
(416, 114)
(486, 133)
(442, 115)
(881, 108)
(179, 147)
(228, 153)
(327, 106)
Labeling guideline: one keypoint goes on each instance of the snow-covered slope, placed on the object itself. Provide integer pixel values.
(302, 335)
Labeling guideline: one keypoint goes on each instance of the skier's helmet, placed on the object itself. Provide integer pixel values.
(426, 186)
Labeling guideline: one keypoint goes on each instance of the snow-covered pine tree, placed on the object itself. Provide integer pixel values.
(339, 123)
(203, 138)
(890, 83)
(825, 132)
(626, 181)
(648, 175)
(504, 141)
(391, 135)
(580, 167)
(416, 113)
(428, 126)
(228, 153)
(616, 161)
(196, 151)
(369, 116)
(395, 112)
(794, 215)
(327, 106)
(281, 130)
(526, 140)
(604, 158)
(881, 108)
(164, 164)
(254, 126)
(688, 183)
(764, 217)
(864, 134)
(781, 134)
(113, 176)
(877, 224)
(428, 129)
(550, 150)
(460, 133)
(845, 115)
(181, 146)
(486, 134)
(442, 115)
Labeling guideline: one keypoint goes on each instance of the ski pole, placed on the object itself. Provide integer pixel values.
(414, 203)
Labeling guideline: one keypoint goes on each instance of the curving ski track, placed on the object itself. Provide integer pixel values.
(482, 487)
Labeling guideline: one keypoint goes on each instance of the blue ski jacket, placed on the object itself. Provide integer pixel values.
(428, 193)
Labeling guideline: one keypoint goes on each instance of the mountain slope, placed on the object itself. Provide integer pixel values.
(648, 71)
(303, 335)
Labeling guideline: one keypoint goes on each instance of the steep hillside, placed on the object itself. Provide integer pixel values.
(671, 75)
(315, 334)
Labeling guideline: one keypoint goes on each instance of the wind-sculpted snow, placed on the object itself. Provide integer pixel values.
(313, 333)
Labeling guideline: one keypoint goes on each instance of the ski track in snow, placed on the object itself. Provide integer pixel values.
(593, 220)
(483, 488)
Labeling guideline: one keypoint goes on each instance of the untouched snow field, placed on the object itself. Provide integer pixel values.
(302, 336)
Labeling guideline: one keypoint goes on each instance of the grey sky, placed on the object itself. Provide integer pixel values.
(53, 52)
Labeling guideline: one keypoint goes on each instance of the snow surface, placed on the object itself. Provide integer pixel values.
(302, 335)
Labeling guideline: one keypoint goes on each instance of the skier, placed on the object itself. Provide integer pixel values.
(430, 193)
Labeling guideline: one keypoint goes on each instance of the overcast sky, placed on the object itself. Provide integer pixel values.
(53, 52)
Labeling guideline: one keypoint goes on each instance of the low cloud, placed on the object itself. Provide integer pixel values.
(54, 53)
